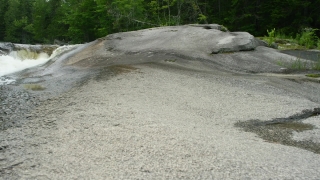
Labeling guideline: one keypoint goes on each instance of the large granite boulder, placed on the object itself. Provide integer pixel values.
(234, 42)
(6, 47)
(198, 39)
(211, 44)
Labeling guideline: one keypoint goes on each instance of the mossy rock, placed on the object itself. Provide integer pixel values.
(34, 87)
(313, 75)
(282, 41)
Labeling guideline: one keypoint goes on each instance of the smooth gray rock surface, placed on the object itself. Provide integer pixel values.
(235, 51)
(187, 38)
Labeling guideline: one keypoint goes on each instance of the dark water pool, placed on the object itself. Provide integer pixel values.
(310, 55)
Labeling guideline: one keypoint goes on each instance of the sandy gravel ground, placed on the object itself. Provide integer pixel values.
(152, 121)
(157, 104)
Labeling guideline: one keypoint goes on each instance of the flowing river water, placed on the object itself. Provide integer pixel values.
(303, 54)
(26, 57)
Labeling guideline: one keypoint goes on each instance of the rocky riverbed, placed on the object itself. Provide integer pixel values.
(159, 104)
(16, 104)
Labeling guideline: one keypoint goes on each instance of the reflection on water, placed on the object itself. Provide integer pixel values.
(303, 54)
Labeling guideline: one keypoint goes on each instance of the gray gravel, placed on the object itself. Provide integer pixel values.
(310, 135)
(15, 104)
(155, 122)
(111, 111)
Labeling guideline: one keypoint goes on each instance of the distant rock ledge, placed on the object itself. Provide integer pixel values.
(204, 38)
(7, 47)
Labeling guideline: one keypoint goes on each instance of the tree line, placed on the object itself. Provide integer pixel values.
(78, 21)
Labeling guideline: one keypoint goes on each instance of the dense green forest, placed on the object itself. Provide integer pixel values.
(78, 21)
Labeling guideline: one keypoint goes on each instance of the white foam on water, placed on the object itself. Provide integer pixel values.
(19, 60)
(23, 59)
(6, 80)
(14, 62)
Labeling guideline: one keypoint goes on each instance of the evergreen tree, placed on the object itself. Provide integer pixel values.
(57, 20)
(17, 21)
(3, 8)
(41, 20)
(11, 15)
(127, 14)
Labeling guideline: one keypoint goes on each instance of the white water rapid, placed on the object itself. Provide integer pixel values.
(25, 58)
(19, 60)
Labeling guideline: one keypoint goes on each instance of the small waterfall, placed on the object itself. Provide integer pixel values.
(19, 60)
(27, 56)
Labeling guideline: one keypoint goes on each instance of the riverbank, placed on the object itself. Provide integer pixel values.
(158, 121)
(161, 113)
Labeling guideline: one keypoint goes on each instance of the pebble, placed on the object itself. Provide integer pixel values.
(15, 106)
